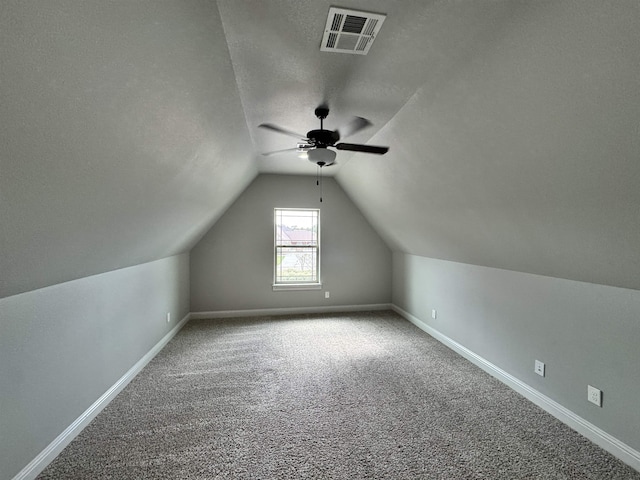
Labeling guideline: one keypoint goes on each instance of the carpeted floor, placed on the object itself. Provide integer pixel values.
(345, 396)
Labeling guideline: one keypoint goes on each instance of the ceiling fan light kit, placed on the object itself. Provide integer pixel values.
(322, 157)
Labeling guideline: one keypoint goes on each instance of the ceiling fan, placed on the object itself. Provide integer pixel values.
(316, 142)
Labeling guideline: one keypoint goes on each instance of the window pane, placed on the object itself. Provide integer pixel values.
(296, 264)
(297, 227)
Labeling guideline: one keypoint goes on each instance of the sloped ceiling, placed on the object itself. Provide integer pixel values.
(527, 156)
(127, 128)
(122, 135)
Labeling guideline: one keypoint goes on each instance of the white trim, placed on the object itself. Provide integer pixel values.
(598, 436)
(281, 287)
(40, 462)
(276, 285)
(262, 312)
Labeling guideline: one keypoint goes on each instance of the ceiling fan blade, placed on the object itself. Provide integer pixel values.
(275, 128)
(354, 147)
(268, 154)
(355, 125)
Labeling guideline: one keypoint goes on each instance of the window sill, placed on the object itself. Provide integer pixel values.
(279, 287)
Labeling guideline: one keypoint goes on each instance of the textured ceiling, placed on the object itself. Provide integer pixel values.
(122, 135)
(129, 127)
(283, 76)
(526, 156)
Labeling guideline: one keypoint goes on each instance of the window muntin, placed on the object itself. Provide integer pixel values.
(297, 246)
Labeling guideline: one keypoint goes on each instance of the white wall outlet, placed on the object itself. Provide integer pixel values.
(327, 294)
(594, 395)
(434, 313)
(539, 368)
(168, 317)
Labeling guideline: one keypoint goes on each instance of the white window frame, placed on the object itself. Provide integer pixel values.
(295, 285)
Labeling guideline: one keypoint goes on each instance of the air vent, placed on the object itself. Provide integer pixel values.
(349, 31)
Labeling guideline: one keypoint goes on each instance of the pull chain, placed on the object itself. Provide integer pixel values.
(319, 179)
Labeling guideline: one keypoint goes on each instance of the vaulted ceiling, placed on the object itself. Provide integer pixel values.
(128, 128)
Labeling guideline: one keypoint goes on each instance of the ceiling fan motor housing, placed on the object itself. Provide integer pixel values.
(323, 137)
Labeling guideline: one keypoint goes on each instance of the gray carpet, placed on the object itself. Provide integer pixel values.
(346, 396)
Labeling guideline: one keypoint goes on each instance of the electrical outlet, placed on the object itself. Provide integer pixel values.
(539, 368)
(168, 317)
(594, 395)
(327, 294)
(434, 313)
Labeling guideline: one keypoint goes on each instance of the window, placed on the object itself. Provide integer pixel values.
(297, 248)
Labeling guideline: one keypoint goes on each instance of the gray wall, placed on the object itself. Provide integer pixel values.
(63, 346)
(232, 266)
(584, 333)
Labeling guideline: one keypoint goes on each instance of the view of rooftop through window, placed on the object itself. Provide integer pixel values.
(296, 246)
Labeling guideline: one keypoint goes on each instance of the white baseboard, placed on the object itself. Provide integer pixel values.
(39, 463)
(598, 436)
(262, 312)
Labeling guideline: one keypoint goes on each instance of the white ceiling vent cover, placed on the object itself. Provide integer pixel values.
(349, 31)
